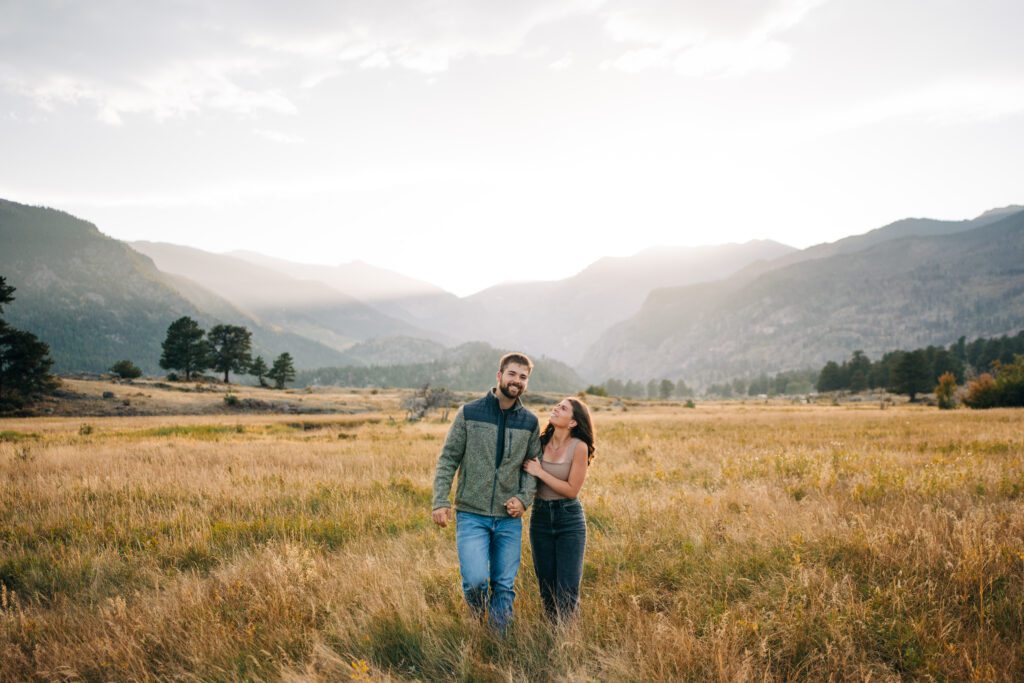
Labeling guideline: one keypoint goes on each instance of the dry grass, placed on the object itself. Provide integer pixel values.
(727, 543)
(156, 397)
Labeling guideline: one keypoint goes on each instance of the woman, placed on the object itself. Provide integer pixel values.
(558, 529)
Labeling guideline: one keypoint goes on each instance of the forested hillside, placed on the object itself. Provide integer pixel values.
(906, 292)
(95, 300)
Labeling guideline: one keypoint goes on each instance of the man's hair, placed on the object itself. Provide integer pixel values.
(515, 357)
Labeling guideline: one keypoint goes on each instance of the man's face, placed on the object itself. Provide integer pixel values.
(513, 379)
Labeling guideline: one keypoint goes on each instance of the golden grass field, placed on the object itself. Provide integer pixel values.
(728, 542)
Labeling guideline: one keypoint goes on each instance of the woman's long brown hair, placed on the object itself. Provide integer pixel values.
(584, 429)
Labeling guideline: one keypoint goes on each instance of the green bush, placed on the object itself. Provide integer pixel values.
(125, 369)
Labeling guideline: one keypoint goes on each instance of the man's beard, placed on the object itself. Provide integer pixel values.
(503, 388)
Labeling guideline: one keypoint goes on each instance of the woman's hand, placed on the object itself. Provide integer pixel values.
(514, 507)
(532, 466)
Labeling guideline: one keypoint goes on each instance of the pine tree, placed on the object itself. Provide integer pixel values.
(911, 375)
(6, 293)
(682, 390)
(185, 348)
(665, 389)
(858, 370)
(258, 369)
(283, 370)
(830, 378)
(24, 360)
(230, 347)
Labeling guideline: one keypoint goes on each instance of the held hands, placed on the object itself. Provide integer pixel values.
(441, 516)
(514, 507)
(532, 466)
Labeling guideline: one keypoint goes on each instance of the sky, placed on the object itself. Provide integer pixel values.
(472, 142)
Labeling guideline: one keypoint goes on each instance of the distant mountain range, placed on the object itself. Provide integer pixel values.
(564, 317)
(560, 318)
(437, 314)
(700, 314)
(910, 284)
(307, 307)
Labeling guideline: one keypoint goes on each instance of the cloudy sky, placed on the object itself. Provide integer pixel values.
(468, 142)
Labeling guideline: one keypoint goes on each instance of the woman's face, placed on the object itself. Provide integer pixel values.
(561, 415)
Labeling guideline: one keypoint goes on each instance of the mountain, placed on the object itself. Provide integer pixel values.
(306, 307)
(467, 367)
(358, 279)
(95, 300)
(392, 351)
(440, 315)
(267, 341)
(907, 227)
(558, 318)
(563, 318)
(904, 292)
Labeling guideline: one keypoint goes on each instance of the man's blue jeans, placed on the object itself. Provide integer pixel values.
(489, 550)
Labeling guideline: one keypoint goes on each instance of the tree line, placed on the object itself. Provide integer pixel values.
(919, 371)
(190, 350)
(664, 389)
(788, 382)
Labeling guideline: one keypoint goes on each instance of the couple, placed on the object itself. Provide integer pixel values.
(503, 460)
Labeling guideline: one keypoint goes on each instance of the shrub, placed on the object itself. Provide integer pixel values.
(125, 369)
(596, 390)
(1005, 389)
(230, 399)
(982, 393)
(945, 392)
(1010, 382)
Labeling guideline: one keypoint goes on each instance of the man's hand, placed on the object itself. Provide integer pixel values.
(514, 507)
(442, 516)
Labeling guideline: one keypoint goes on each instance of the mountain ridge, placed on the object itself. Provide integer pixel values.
(95, 300)
(905, 292)
(307, 307)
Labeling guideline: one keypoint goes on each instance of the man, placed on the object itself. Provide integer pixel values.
(487, 443)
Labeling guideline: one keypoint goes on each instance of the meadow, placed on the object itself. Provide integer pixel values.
(727, 542)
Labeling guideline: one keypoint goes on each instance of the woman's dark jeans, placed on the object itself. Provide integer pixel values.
(558, 536)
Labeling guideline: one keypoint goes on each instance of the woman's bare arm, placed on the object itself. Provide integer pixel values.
(577, 473)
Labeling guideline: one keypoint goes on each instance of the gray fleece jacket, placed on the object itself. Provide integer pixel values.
(487, 446)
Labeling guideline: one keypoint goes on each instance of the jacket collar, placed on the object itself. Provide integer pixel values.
(492, 396)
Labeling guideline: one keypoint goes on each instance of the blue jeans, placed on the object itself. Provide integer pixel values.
(489, 550)
(558, 536)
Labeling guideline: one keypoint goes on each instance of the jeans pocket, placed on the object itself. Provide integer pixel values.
(572, 517)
